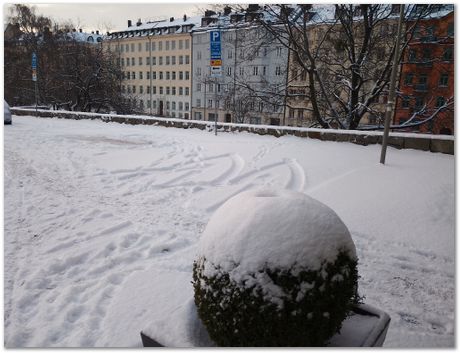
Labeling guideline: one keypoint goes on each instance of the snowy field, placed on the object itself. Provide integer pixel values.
(97, 214)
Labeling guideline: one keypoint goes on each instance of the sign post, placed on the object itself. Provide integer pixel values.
(34, 77)
(216, 66)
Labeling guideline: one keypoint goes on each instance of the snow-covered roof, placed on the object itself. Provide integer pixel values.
(85, 37)
(181, 25)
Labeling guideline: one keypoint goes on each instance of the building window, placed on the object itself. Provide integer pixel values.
(173, 45)
(443, 80)
(187, 75)
(154, 90)
(187, 59)
(133, 61)
(450, 29)
(140, 75)
(440, 101)
(173, 60)
(181, 44)
(134, 89)
(148, 75)
(134, 75)
(241, 70)
(147, 47)
(197, 116)
(133, 48)
(141, 89)
(278, 71)
(198, 71)
(229, 71)
(153, 46)
(168, 91)
(148, 89)
(139, 47)
(412, 55)
(198, 87)
(173, 105)
(187, 44)
(147, 60)
(154, 75)
(181, 106)
(198, 103)
(161, 75)
(187, 91)
(128, 75)
(181, 60)
(161, 90)
(255, 71)
(405, 102)
(160, 60)
(154, 60)
(167, 60)
(448, 54)
(198, 55)
(187, 106)
(173, 75)
(168, 76)
(279, 51)
(173, 91)
(149, 103)
(408, 78)
(160, 46)
(418, 102)
(230, 54)
(167, 45)
(209, 103)
(426, 54)
(181, 75)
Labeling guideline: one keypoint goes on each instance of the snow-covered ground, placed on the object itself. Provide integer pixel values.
(97, 214)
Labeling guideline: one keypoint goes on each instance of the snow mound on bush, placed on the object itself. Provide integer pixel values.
(276, 229)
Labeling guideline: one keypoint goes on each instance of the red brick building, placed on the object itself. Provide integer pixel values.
(427, 76)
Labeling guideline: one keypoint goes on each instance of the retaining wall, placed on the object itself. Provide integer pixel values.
(424, 142)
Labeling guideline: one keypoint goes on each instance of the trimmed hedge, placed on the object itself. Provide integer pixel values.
(314, 305)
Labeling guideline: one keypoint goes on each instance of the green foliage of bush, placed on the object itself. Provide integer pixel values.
(237, 316)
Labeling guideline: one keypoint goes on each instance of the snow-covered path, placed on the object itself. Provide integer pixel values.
(88, 205)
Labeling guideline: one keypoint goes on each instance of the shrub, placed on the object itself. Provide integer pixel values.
(278, 289)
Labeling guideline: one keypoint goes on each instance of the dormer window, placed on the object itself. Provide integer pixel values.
(90, 39)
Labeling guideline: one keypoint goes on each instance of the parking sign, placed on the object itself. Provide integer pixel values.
(216, 54)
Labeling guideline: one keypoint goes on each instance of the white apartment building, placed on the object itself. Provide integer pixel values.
(254, 72)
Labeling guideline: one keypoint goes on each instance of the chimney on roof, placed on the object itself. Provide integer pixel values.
(227, 10)
(171, 19)
(138, 23)
(74, 30)
(97, 32)
(185, 18)
(129, 23)
(80, 30)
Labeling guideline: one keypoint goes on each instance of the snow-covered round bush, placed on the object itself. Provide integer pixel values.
(275, 268)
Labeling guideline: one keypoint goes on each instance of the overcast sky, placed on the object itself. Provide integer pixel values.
(111, 16)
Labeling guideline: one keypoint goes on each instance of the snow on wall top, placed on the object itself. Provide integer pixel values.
(276, 229)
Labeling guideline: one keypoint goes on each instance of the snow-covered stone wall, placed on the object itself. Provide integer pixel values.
(424, 142)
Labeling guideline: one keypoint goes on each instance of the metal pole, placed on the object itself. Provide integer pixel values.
(391, 96)
(216, 111)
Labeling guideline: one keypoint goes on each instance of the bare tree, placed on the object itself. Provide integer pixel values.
(344, 54)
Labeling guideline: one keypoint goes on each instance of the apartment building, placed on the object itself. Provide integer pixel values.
(427, 76)
(251, 88)
(156, 59)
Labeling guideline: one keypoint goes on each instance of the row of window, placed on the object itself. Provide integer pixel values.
(257, 53)
(169, 91)
(216, 104)
(420, 102)
(168, 60)
(154, 46)
(255, 71)
(427, 54)
(423, 79)
(162, 75)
